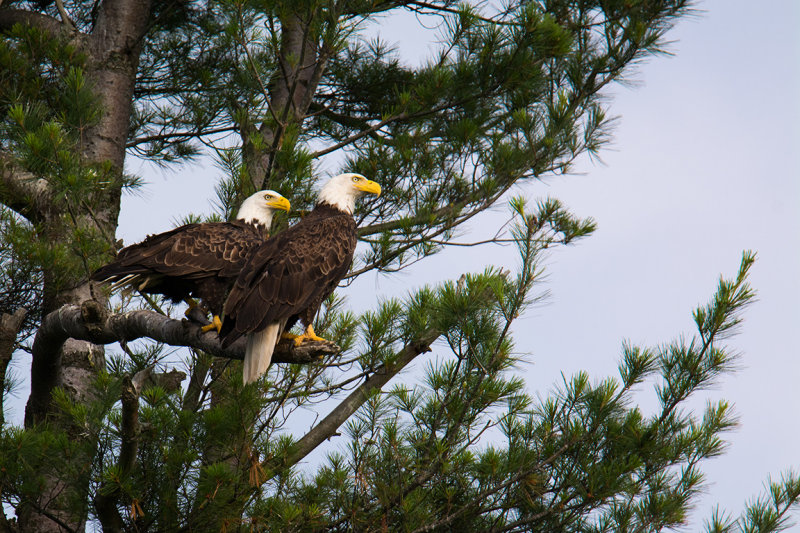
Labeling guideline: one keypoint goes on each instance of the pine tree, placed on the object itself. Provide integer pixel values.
(139, 440)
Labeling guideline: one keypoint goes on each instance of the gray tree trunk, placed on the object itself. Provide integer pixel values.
(113, 48)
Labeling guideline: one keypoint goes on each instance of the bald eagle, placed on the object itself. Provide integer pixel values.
(196, 260)
(288, 277)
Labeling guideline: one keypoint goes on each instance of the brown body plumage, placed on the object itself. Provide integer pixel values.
(287, 278)
(196, 260)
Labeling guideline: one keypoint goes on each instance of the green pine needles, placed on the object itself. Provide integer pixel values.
(423, 420)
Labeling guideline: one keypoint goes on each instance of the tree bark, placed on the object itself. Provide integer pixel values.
(23, 192)
(302, 60)
(113, 48)
(92, 325)
(9, 328)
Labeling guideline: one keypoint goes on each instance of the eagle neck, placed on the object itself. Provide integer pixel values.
(340, 198)
(255, 215)
(324, 207)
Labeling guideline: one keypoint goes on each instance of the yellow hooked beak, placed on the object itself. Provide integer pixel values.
(368, 186)
(279, 203)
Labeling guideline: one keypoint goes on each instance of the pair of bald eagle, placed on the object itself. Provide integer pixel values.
(260, 286)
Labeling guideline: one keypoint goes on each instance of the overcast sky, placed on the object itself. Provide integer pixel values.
(705, 164)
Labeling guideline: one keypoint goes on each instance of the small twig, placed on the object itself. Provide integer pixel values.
(152, 303)
(359, 135)
(64, 17)
(184, 135)
(450, 10)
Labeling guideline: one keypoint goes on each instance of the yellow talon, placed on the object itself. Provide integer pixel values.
(216, 324)
(192, 303)
(308, 335)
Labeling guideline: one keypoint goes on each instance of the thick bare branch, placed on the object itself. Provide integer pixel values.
(23, 192)
(9, 17)
(9, 329)
(91, 323)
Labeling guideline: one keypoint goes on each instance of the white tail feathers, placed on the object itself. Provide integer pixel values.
(124, 282)
(258, 353)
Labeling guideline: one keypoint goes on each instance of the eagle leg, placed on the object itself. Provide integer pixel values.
(308, 335)
(216, 324)
(196, 312)
(192, 303)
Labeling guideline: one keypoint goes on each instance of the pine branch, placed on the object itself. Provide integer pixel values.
(328, 426)
(372, 129)
(481, 497)
(442, 213)
(107, 498)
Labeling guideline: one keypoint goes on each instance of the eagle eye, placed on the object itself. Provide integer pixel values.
(355, 178)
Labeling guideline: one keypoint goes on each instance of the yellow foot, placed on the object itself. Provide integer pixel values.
(195, 310)
(308, 335)
(192, 303)
(216, 324)
(290, 336)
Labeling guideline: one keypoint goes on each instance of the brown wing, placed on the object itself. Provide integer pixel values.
(176, 261)
(290, 274)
